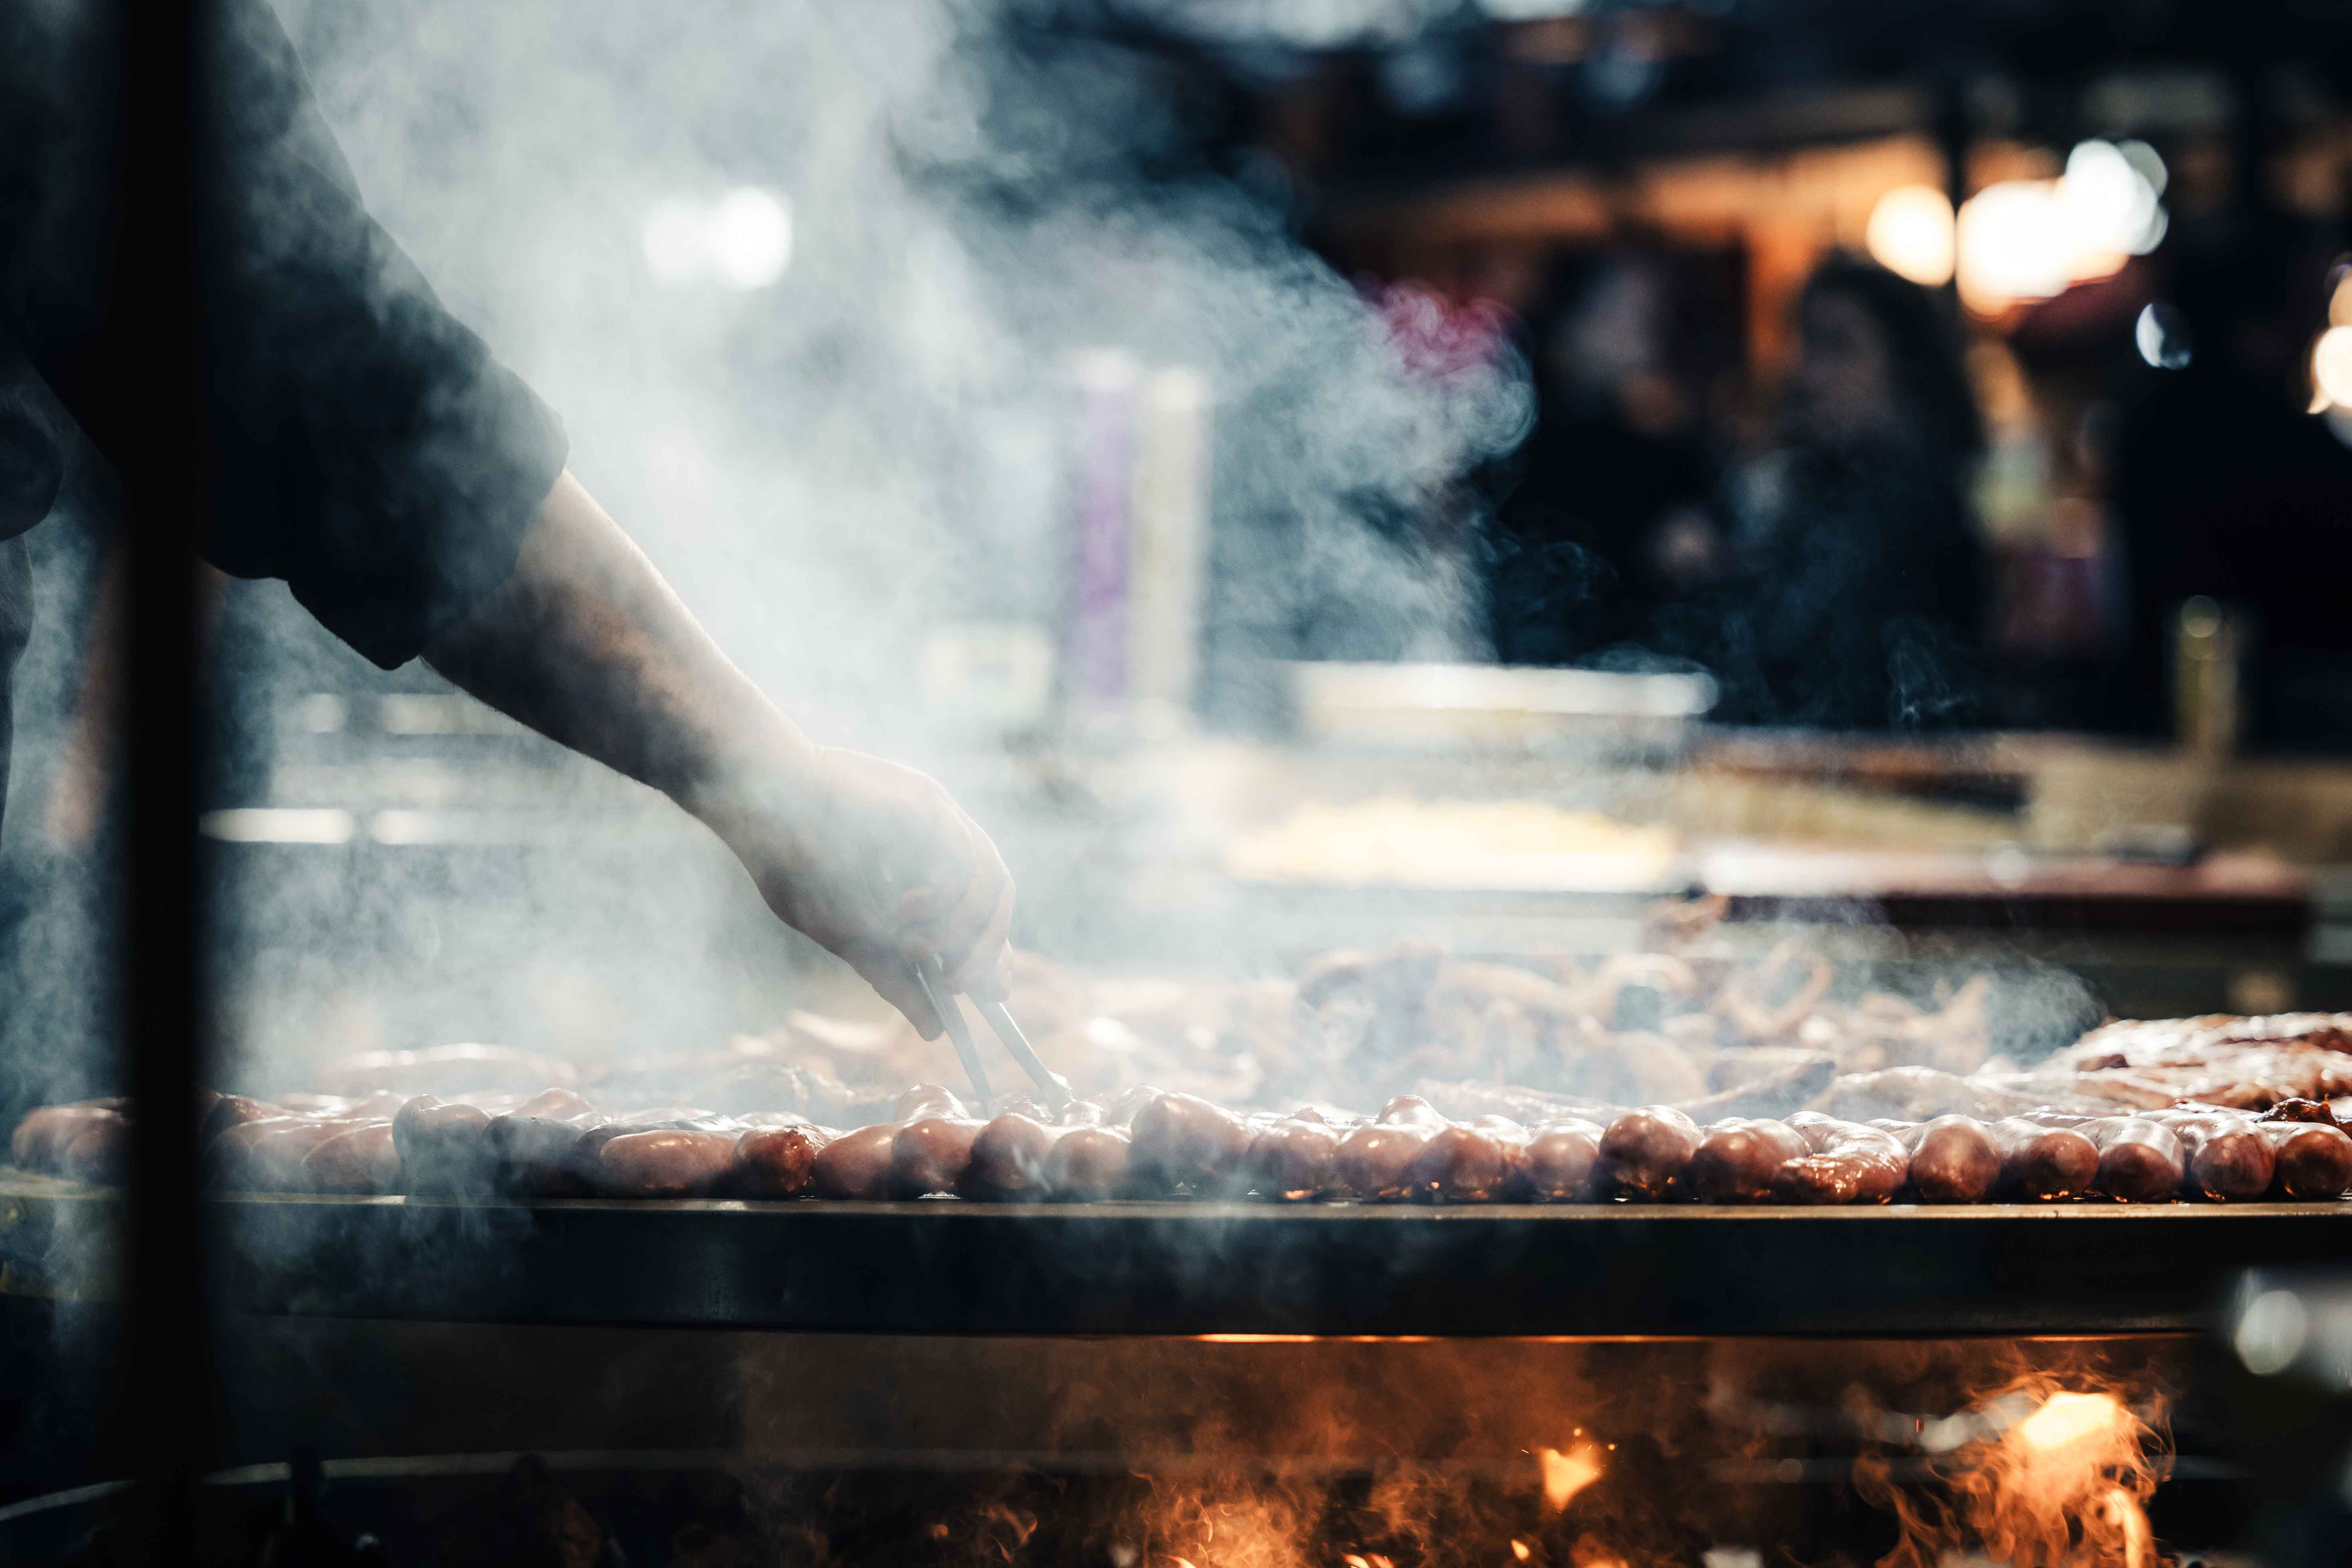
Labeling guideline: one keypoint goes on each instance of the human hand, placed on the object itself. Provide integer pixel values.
(875, 861)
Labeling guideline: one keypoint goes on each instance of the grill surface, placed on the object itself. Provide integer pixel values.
(1199, 1267)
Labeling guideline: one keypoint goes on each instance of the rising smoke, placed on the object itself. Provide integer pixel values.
(826, 468)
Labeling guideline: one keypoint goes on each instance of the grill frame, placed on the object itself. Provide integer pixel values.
(940, 1266)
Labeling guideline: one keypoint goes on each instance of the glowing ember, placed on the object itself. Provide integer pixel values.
(1519, 1550)
(2066, 1418)
(1565, 1475)
(1374, 1560)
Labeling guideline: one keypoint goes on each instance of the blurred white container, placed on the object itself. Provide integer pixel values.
(1452, 707)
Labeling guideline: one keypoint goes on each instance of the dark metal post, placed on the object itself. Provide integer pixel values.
(165, 1369)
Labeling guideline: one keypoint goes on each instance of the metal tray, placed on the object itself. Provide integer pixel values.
(946, 1266)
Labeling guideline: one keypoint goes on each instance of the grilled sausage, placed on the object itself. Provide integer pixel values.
(858, 1164)
(1374, 1163)
(41, 1138)
(229, 1109)
(927, 1099)
(2317, 1110)
(931, 1153)
(1008, 1158)
(1411, 1111)
(776, 1162)
(1561, 1158)
(1089, 1162)
(276, 1160)
(2224, 1158)
(1122, 1106)
(2139, 1160)
(1181, 1141)
(1738, 1159)
(443, 1148)
(2042, 1164)
(362, 1159)
(1473, 1165)
(99, 1151)
(1848, 1163)
(1954, 1160)
(2307, 1159)
(553, 1103)
(539, 1153)
(663, 1162)
(1294, 1160)
(1644, 1153)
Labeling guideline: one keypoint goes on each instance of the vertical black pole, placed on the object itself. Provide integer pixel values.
(165, 1367)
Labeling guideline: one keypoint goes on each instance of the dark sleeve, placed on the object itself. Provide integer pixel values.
(362, 444)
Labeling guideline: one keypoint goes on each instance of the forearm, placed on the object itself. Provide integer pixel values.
(586, 643)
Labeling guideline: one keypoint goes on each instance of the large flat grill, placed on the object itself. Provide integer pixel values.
(949, 1267)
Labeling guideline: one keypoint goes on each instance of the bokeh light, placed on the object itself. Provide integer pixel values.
(1911, 234)
(2032, 239)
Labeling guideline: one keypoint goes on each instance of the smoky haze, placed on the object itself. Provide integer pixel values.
(827, 467)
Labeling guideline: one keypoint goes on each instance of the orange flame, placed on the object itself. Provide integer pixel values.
(2056, 1476)
(1565, 1475)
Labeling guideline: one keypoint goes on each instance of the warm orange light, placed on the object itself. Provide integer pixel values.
(1910, 234)
(1519, 1550)
(2066, 1418)
(1565, 1475)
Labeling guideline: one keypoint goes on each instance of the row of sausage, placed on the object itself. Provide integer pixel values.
(1141, 1142)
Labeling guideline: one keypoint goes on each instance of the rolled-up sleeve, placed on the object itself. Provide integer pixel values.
(362, 443)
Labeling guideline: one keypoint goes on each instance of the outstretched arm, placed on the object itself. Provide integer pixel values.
(586, 643)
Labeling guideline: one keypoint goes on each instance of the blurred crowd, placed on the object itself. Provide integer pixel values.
(1920, 519)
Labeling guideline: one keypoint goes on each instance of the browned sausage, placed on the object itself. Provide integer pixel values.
(1292, 1161)
(1089, 1162)
(1008, 1158)
(1644, 1153)
(1848, 1163)
(1473, 1165)
(776, 1162)
(2308, 1160)
(1181, 1141)
(668, 1162)
(40, 1140)
(1374, 1163)
(2224, 1158)
(443, 1148)
(100, 1152)
(554, 1103)
(1411, 1111)
(1738, 1160)
(538, 1154)
(1122, 1106)
(858, 1164)
(275, 1161)
(1954, 1160)
(362, 1159)
(927, 1099)
(2139, 1160)
(2042, 1164)
(930, 1154)
(1561, 1158)
(226, 1110)
(2317, 1110)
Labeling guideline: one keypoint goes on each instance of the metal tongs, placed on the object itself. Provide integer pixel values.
(931, 975)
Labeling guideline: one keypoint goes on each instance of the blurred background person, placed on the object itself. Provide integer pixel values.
(2225, 485)
(1607, 517)
(1856, 591)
